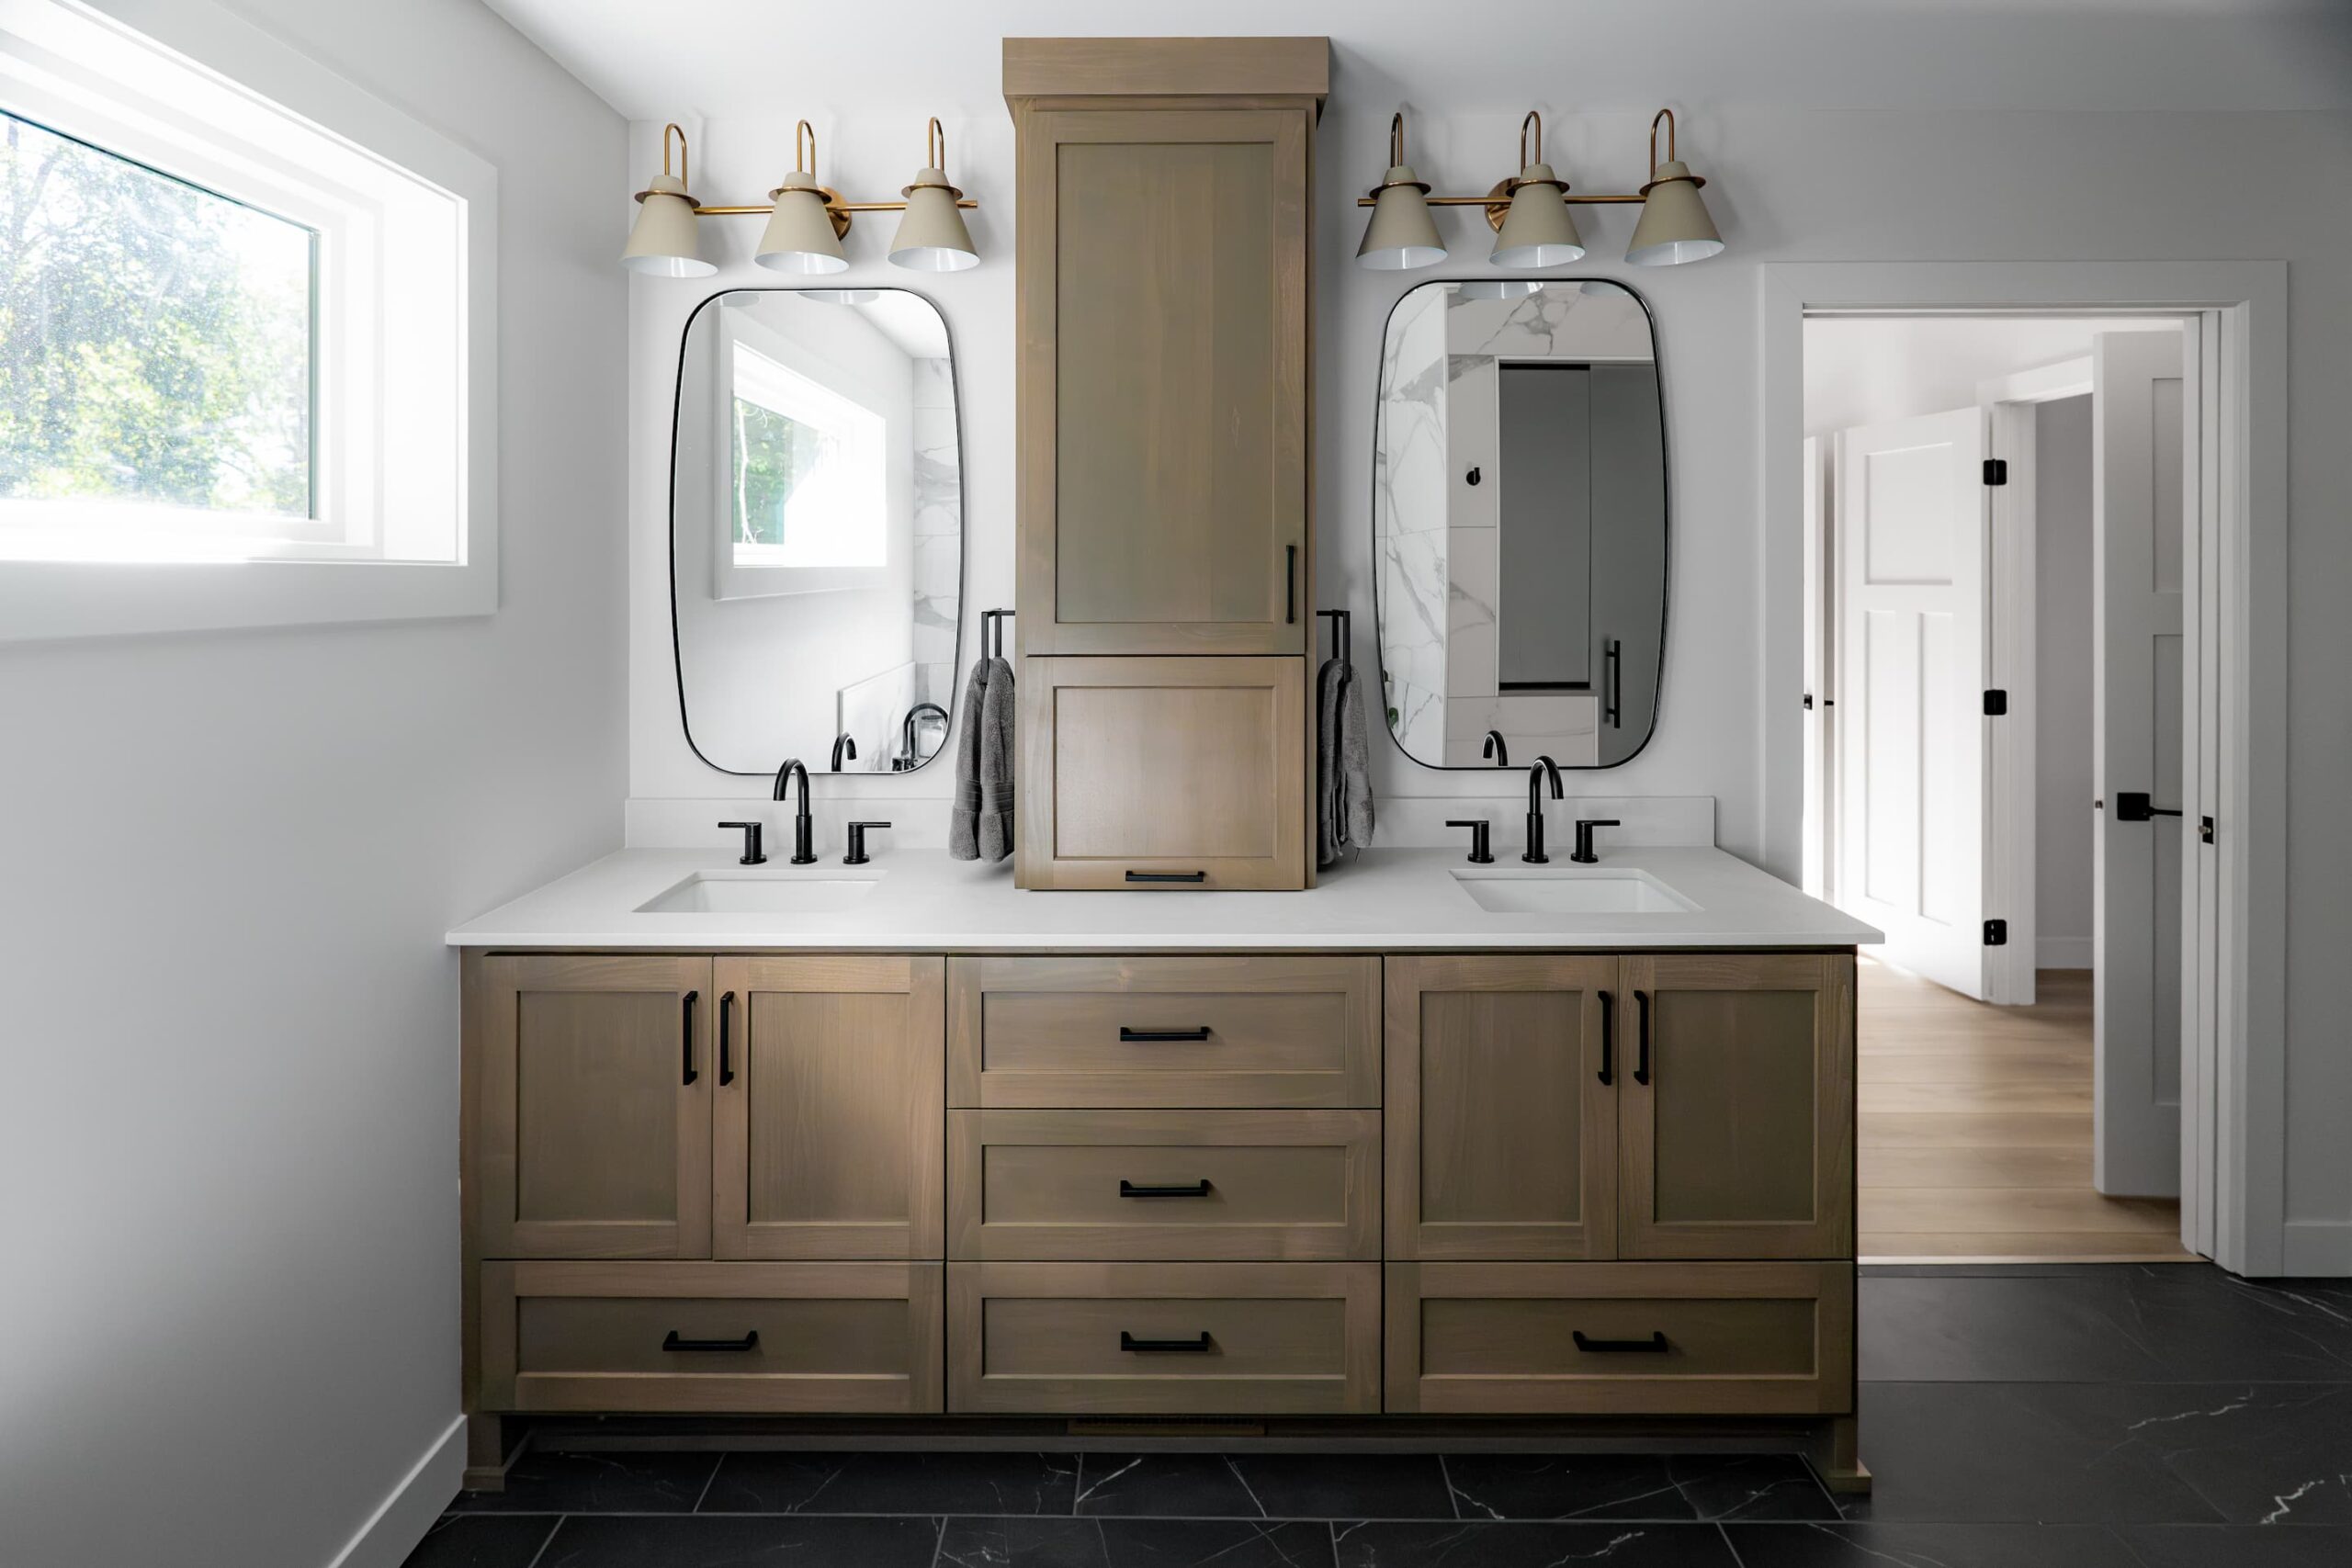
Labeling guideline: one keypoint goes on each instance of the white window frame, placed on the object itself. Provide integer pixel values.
(404, 347)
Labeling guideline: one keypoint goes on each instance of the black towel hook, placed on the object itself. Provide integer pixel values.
(1342, 634)
(992, 632)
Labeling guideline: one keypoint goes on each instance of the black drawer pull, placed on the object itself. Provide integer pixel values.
(732, 1346)
(1195, 1190)
(1155, 1036)
(1168, 876)
(687, 1029)
(726, 1059)
(1608, 1038)
(1164, 1347)
(1642, 1062)
(1654, 1344)
(1290, 586)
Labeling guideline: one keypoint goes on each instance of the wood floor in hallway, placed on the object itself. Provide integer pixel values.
(1975, 1129)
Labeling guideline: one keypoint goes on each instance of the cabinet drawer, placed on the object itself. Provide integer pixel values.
(1164, 1339)
(1503, 1338)
(846, 1338)
(1056, 1032)
(1176, 1184)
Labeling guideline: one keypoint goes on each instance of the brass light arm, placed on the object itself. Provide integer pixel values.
(804, 162)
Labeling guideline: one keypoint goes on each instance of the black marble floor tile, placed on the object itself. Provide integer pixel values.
(1750, 1487)
(2059, 1453)
(1023, 1543)
(482, 1540)
(565, 1482)
(985, 1483)
(1540, 1544)
(1929, 1546)
(704, 1541)
(1565, 1486)
(2236, 1546)
(1346, 1487)
(2268, 1454)
(1221, 1543)
(1174, 1486)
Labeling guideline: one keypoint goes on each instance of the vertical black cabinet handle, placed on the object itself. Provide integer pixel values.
(726, 1061)
(1290, 586)
(1612, 655)
(1641, 1027)
(686, 1028)
(1608, 1038)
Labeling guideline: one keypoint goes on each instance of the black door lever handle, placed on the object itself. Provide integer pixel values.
(2132, 806)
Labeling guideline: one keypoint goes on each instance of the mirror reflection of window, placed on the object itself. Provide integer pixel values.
(808, 467)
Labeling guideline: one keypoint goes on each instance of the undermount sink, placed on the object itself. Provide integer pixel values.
(749, 892)
(1534, 891)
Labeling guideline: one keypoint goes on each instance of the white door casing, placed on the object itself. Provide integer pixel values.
(1910, 560)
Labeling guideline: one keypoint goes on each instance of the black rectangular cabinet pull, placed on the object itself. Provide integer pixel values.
(716, 1347)
(1194, 1189)
(1641, 1029)
(1608, 1038)
(687, 1029)
(1654, 1344)
(1129, 1342)
(1168, 876)
(1148, 1036)
(1290, 586)
(726, 1058)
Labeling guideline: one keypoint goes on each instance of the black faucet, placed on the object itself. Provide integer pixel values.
(843, 747)
(1496, 750)
(1582, 854)
(908, 761)
(1535, 772)
(801, 834)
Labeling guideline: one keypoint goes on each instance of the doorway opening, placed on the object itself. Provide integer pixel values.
(2004, 518)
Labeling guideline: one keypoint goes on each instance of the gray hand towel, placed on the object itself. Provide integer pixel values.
(1356, 763)
(1330, 816)
(996, 726)
(964, 816)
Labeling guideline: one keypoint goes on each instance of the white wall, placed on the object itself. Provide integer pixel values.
(2064, 822)
(227, 1027)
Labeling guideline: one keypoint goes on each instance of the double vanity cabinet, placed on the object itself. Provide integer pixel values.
(1258, 1186)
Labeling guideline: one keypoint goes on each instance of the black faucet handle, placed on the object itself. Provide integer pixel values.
(753, 853)
(857, 855)
(1481, 847)
(1582, 854)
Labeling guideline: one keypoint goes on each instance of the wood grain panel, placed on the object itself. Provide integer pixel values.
(1048, 67)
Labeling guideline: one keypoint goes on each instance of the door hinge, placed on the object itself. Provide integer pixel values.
(1996, 470)
(1808, 702)
(1997, 933)
(1996, 703)
(2204, 830)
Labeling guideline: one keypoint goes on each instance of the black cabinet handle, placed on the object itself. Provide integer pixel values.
(726, 1057)
(1641, 1027)
(1196, 1190)
(1654, 1344)
(1168, 876)
(1290, 586)
(1612, 658)
(1608, 1038)
(729, 1346)
(1164, 1347)
(1148, 1036)
(686, 1028)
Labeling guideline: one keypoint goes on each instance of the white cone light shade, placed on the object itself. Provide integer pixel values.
(799, 237)
(1401, 233)
(1675, 227)
(665, 241)
(932, 236)
(1538, 231)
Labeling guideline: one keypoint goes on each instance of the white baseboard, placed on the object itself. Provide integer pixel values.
(2319, 1249)
(393, 1530)
(2062, 953)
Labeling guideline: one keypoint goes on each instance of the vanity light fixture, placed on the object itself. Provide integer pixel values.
(806, 220)
(1529, 211)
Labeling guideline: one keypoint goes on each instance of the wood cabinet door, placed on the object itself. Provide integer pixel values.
(1501, 1094)
(1162, 411)
(1738, 1109)
(1163, 774)
(593, 1130)
(830, 1131)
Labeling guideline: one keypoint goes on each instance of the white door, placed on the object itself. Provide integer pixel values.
(1818, 702)
(2141, 427)
(1909, 548)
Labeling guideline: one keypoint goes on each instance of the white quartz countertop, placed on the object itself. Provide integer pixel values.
(1388, 900)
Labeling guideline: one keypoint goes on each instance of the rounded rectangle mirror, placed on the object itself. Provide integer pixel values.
(1518, 517)
(816, 530)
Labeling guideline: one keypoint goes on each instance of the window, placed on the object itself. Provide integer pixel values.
(808, 483)
(247, 374)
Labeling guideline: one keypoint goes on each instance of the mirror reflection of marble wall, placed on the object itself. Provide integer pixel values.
(1519, 522)
(815, 529)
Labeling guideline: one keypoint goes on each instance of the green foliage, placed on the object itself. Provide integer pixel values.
(154, 338)
(772, 454)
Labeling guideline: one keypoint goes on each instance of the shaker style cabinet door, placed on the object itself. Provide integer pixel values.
(596, 1077)
(830, 1089)
(1738, 1109)
(1162, 480)
(1501, 1129)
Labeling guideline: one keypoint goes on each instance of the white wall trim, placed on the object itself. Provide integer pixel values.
(401, 1520)
(2250, 1167)
(2322, 1248)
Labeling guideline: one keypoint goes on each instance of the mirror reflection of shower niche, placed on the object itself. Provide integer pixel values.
(816, 530)
(1519, 523)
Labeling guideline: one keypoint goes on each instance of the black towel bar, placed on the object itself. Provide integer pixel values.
(992, 632)
(1342, 634)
